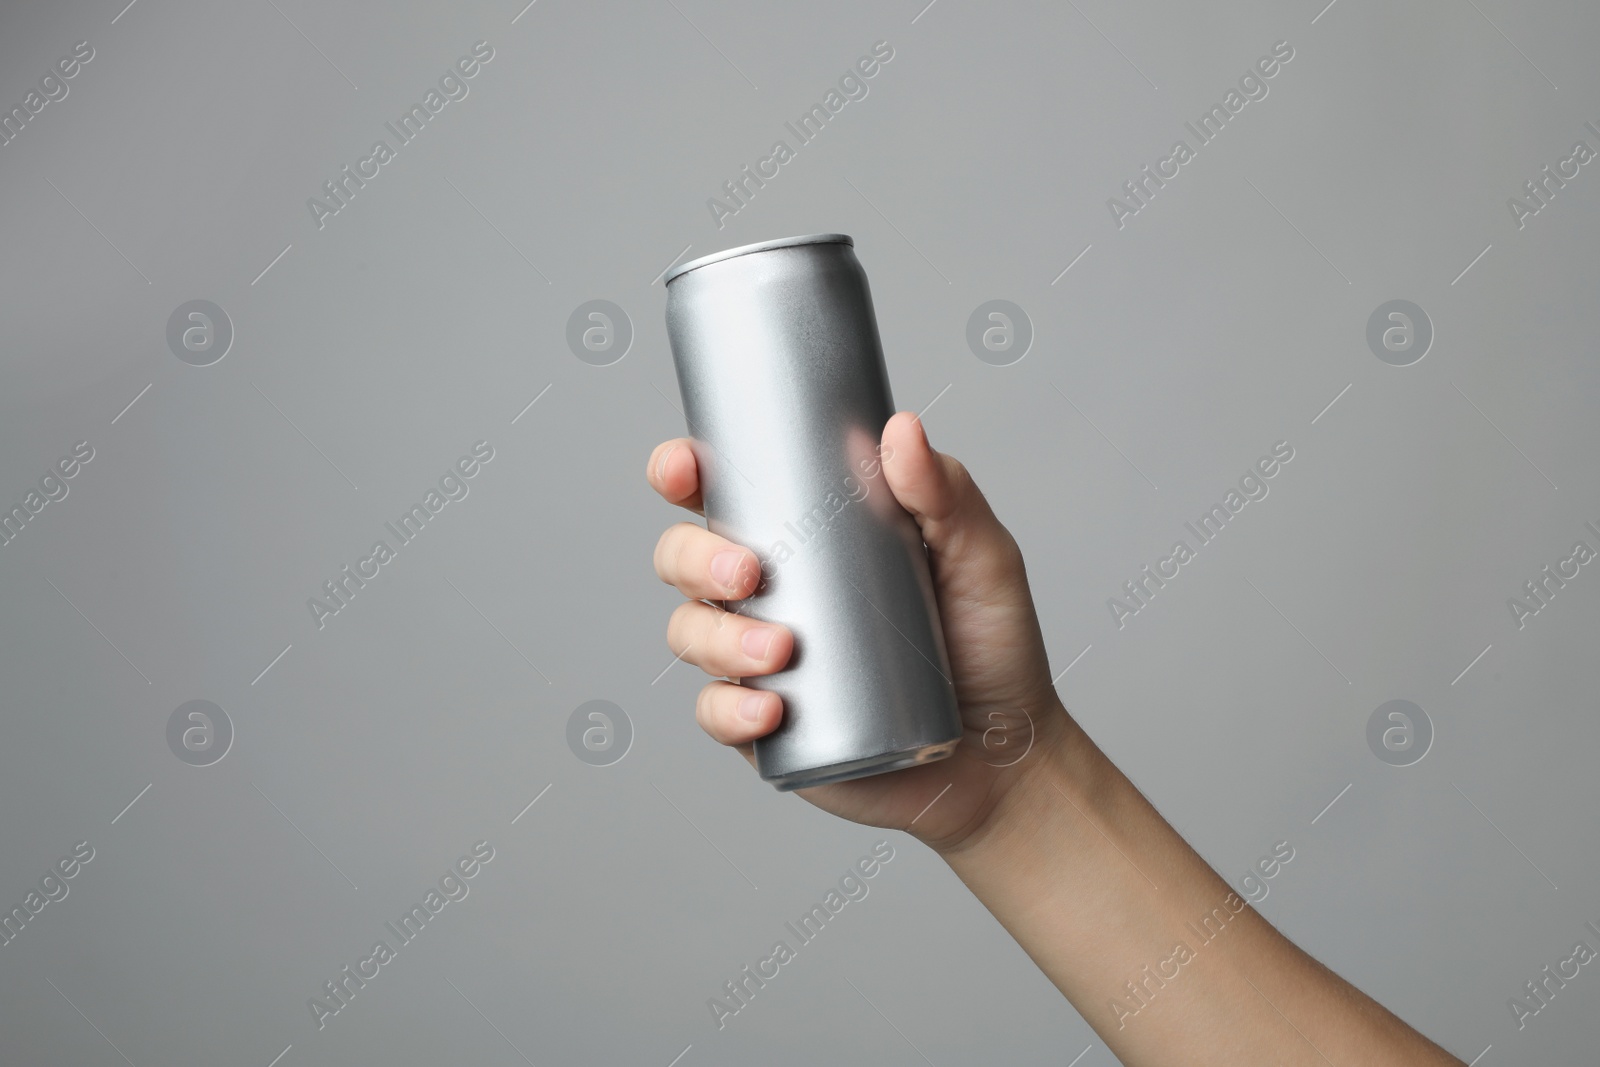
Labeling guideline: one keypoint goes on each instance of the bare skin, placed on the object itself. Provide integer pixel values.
(1145, 940)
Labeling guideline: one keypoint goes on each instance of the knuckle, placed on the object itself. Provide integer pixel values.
(680, 626)
(661, 554)
(669, 551)
(1011, 550)
(702, 706)
(960, 476)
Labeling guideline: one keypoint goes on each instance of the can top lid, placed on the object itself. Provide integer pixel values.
(759, 246)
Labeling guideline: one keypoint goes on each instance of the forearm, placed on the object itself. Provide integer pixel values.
(1148, 943)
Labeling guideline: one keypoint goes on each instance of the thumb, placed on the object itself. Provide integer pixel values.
(967, 545)
(996, 648)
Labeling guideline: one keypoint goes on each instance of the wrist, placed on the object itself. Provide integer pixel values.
(1062, 760)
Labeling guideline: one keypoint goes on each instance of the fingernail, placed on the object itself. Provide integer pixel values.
(757, 641)
(661, 464)
(750, 707)
(725, 567)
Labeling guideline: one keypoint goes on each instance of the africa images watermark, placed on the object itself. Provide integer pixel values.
(1143, 987)
(453, 485)
(1252, 86)
(742, 988)
(819, 518)
(1542, 588)
(52, 889)
(343, 987)
(452, 86)
(1543, 987)
(1252, 486)
(52, 89)
(852, 85)
(1539, 191)
(52, 487)
(1264, 869)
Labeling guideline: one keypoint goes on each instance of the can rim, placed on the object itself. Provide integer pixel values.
(759, 246)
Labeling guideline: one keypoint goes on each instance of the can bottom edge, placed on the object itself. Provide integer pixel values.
(863, 768)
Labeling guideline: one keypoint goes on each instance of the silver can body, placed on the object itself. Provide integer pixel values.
(786, 395)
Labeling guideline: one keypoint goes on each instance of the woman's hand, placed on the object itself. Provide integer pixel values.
(1058, 844)
(997, 656)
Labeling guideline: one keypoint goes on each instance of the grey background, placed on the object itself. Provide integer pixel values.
(426, 315)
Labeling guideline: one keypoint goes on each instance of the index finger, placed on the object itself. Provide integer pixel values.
(673, 473)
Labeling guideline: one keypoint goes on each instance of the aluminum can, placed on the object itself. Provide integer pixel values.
(786, 394)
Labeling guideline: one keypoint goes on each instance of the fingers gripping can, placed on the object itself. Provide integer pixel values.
(786, 395)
